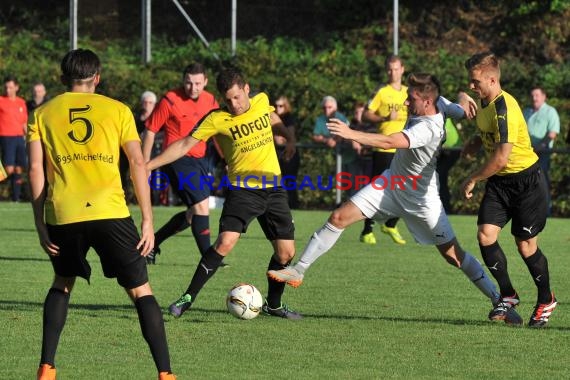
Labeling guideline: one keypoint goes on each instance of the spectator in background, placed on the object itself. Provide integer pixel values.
(543, 126)
(445, 161)
(388, 111)
(147, 103)
(39, 97)
(289, 168)
(361, 162)
(13, 120)
(321, 133)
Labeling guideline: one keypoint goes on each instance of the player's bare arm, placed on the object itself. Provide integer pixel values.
(468, 104)
(289, 133)
(139, 176)
(472, 147)
(172, 153)
(377, 140)
(38, 188)
(497, 162)
(148, 142)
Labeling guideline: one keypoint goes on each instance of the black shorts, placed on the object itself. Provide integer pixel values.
(189, 178)
(521, 197)
(114, 240)
(269, 206)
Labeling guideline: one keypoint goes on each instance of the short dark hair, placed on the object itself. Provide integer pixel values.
(79, 64)
(426, 85)
(229, 77)
(194, 68)
(10, 78)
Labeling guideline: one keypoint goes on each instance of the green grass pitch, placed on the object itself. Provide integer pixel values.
(371, 312)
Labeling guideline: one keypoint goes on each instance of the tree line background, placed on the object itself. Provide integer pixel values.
(305, 50)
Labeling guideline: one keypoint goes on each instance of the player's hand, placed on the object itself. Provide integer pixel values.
(290, 150)
(146, 244)
(45, 242)
(338, 128)
(467, 188)
(468, 104)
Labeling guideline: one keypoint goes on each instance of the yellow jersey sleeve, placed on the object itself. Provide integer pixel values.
(502, 121)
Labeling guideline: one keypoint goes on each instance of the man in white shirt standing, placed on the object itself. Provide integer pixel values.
(543, 126)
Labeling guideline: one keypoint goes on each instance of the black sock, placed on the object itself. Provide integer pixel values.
(152, 327)
(538, 268)
(176, 224)
(274, 289)
(496, 262)
(201, 232)
(368, 226)
(55, 314)
(391, 223)
(208, 265)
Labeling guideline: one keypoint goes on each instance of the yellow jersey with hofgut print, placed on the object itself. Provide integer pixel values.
(246, 142)
(386, 100)
(81, 135)
(501, 121)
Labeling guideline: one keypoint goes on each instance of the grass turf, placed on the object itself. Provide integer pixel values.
(371, 312)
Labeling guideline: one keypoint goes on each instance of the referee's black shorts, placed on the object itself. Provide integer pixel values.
(520, 197)
(270, 207)
(189, 178)
(114, 240)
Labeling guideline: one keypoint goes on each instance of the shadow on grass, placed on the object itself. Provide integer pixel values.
(192, 317)
(19, 229)
(39, 258)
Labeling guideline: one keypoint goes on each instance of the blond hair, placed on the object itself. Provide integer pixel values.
(485, 62)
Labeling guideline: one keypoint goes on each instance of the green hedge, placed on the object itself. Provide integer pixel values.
(340, 65)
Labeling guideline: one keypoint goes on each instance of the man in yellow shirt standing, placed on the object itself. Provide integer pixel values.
(386, 109)
(78, 202)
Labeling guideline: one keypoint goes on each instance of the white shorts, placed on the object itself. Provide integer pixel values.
(425, 217)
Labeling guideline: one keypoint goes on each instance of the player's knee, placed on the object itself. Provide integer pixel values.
(337, 219)
(139, 291)
(65, 284)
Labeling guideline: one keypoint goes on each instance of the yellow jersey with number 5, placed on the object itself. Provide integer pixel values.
(81, 136)
(501, 121)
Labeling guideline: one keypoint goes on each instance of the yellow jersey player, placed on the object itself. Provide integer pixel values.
(78, 202)
(244, 129)
(515, 189)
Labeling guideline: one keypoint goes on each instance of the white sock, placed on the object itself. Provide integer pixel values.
(475, 272)
(320, 243)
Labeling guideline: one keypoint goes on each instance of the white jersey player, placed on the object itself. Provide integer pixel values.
(408, 189)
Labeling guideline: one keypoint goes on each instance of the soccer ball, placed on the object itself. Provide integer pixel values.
(244, 301)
